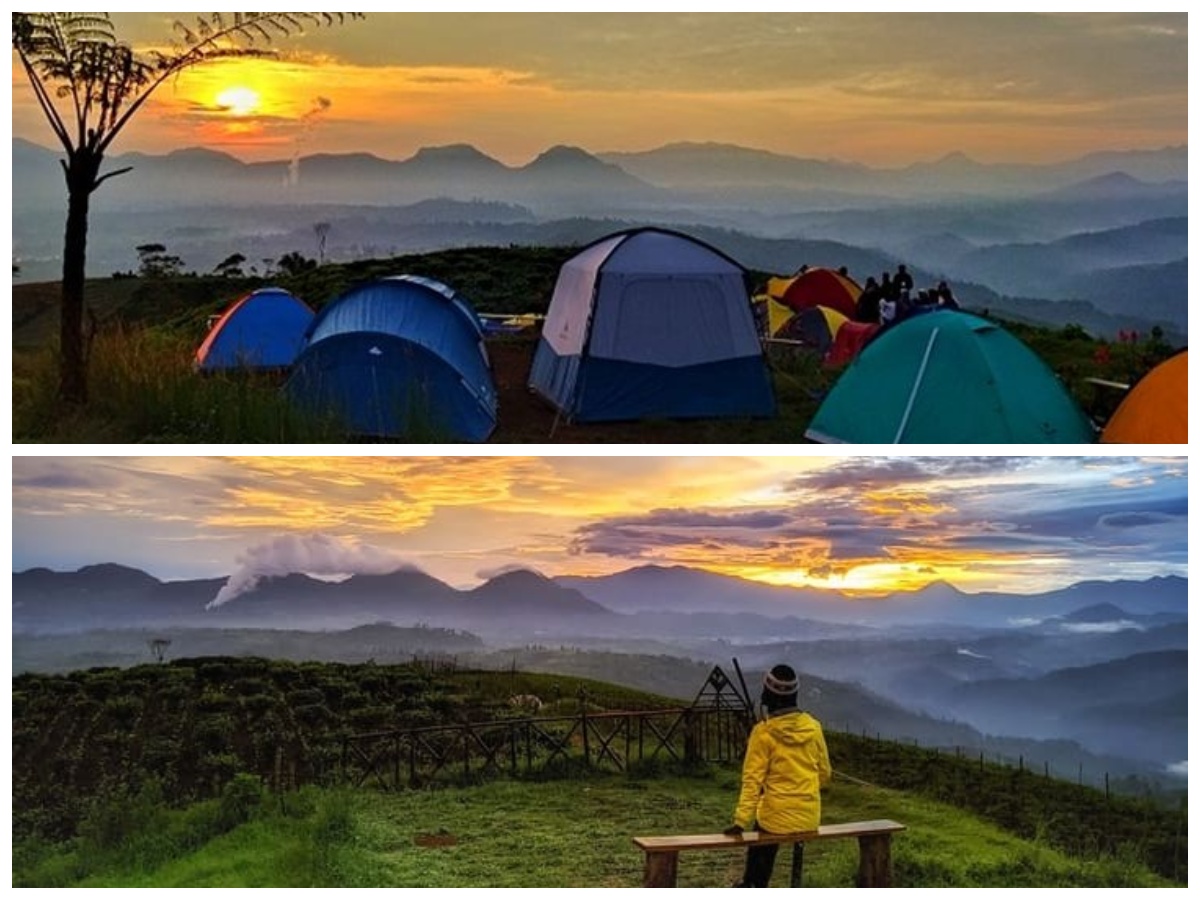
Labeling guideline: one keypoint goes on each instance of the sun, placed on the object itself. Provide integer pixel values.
(239, 101)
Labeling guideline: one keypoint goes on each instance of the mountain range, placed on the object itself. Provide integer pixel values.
(112, 595)
(681, 174)
(683, 589)
(1103, 237)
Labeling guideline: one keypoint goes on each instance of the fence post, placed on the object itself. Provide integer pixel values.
(583, 724)
(628, 739)
(466, 751)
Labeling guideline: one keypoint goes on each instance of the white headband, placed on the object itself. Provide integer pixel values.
(778, 685)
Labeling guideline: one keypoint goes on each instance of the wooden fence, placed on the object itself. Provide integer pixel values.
(595, 741)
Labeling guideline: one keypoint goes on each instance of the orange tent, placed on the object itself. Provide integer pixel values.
(1155, 412)
(817, 287)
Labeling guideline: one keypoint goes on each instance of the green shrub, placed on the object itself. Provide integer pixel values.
(120, 827)
(241, 798)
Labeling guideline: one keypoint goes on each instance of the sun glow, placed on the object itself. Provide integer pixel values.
(239, 101)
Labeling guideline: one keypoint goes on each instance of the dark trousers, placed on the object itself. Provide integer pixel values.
(760, 862)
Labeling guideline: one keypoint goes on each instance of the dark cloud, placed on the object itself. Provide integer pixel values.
(1135, 520)
(878, 473)
(859, 510)
(1087, 512)
(60, 480)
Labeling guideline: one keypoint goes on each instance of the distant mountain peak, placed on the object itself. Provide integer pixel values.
(939, 590)
(955, 162)
(565, 151)
(201, 154)
(517, 577)
(114, 572)
(1107, 185)
(455, 153)
(563, 156)
(1098, 612)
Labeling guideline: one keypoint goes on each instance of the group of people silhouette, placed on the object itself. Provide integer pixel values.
(891, 299)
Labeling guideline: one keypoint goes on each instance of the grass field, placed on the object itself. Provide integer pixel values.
(544, 835)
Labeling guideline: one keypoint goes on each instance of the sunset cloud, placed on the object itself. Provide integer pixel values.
(1001, 87)
(865, 524)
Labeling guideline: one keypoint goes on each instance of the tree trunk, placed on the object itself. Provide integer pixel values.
(82, 169)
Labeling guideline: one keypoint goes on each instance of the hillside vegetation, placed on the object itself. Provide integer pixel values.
(143, 387)
(97, 752)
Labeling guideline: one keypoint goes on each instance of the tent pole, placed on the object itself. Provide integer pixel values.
(912, 396)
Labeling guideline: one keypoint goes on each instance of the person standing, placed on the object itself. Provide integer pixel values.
(785, 767)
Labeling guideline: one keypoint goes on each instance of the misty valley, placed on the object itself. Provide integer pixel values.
(1087, 682)
(1099, 242)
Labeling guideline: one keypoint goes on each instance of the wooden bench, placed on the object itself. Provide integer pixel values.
(874, 850)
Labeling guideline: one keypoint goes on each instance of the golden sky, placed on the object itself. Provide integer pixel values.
(885, 90)
(859, 524)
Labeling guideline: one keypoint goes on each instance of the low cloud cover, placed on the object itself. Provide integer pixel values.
(312, 554)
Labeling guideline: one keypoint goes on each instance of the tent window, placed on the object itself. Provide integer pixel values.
(671, 321)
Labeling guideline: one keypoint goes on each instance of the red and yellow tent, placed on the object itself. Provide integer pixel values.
(817, 287)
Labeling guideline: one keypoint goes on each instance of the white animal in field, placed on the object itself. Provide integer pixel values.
(526, 702)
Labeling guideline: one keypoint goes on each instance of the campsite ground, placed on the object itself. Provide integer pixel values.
(524, 417)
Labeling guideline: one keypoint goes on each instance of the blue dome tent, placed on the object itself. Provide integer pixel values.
(401, 357)
(262, 330)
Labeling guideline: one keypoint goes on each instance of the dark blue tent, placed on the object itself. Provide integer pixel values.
(651, 323)
(401, 357)
(263, 330)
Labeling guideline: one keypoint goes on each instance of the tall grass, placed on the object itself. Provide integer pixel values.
(575, 833)
(144, 388)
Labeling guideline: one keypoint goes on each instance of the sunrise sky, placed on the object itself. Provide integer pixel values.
(864, 524)
(885, 90)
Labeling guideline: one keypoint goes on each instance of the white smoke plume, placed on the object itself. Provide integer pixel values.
(312, 554)
(307, 122)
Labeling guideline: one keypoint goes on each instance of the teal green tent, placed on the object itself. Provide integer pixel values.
(949, 377)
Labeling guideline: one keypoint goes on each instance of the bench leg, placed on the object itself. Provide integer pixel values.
(875, 860)
(661, 869)
(797, 863)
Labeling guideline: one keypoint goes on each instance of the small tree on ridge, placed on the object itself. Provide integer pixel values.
(89, 85)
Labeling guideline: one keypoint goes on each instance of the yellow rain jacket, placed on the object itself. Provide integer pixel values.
(786, 765)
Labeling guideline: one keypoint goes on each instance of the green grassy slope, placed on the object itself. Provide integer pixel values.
(562, 834)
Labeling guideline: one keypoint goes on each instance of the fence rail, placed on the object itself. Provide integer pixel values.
(600, 741)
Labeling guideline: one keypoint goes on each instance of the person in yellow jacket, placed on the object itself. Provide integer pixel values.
(786, 766)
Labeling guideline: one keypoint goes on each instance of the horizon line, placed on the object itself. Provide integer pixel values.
(598, 154)
(412, 568)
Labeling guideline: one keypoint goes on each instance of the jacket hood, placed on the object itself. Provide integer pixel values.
(793, 728)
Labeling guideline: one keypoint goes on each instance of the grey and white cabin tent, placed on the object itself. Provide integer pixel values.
(649, 323)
